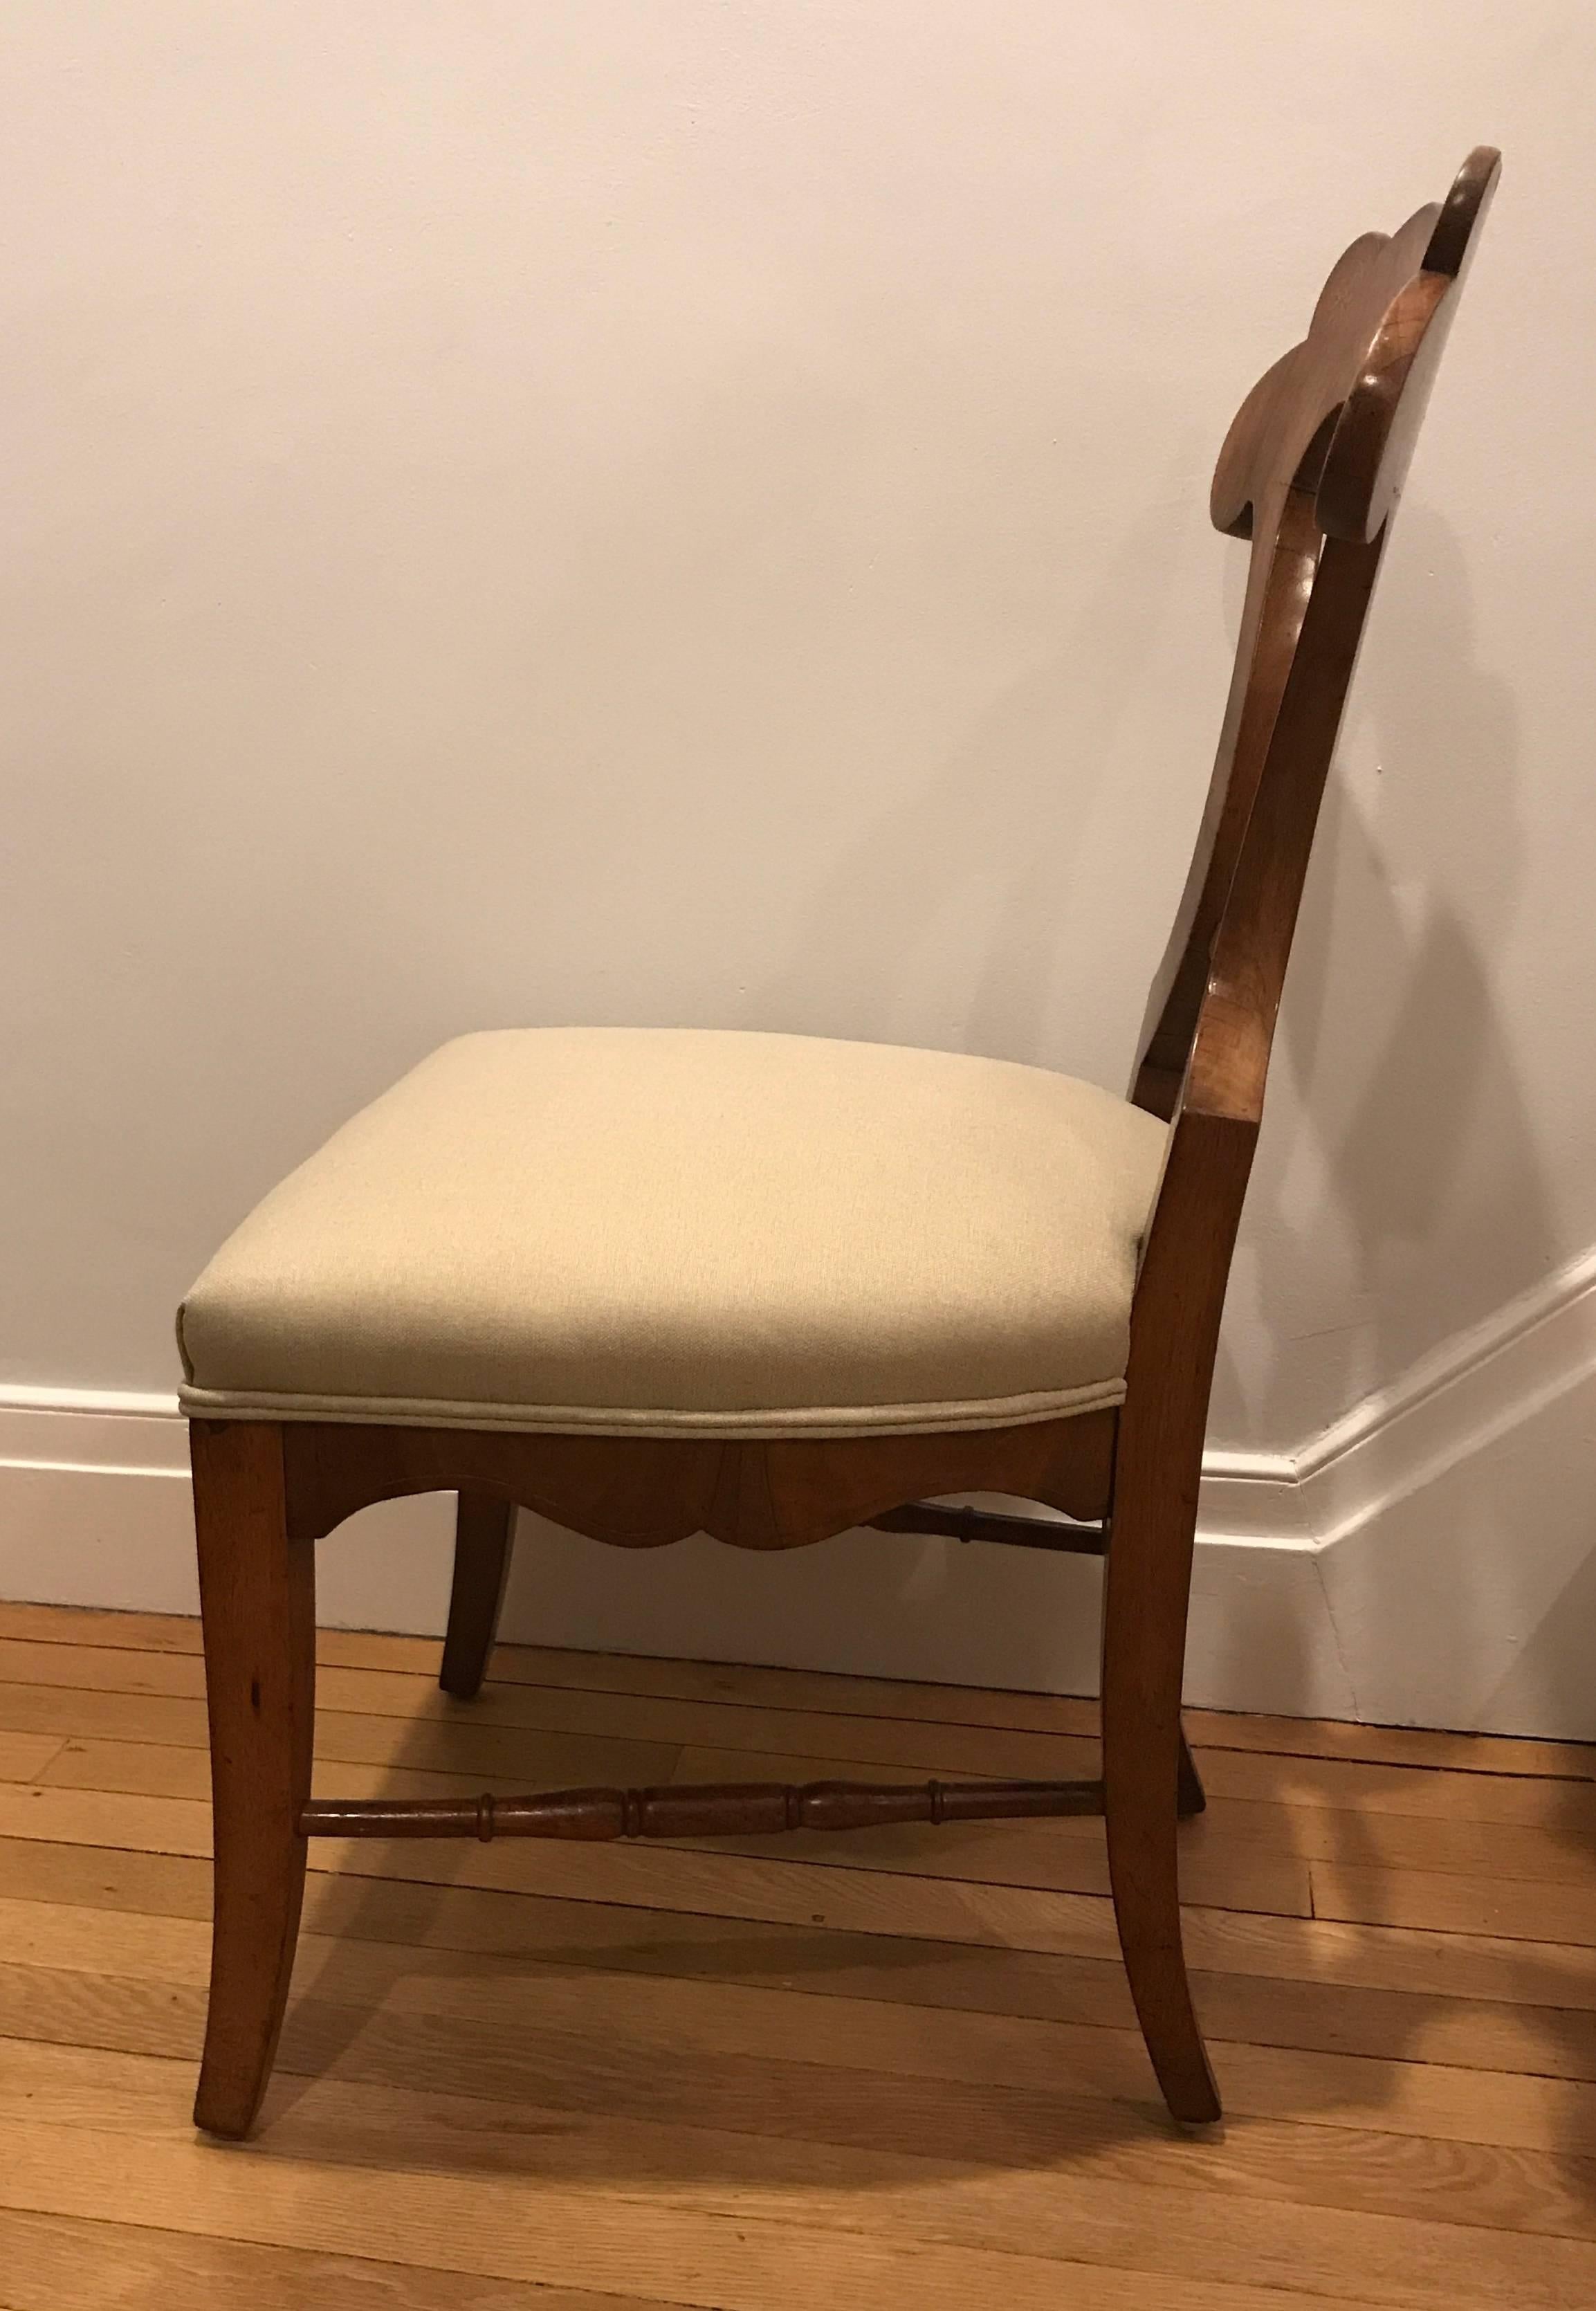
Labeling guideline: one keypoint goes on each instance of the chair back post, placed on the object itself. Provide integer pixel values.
(1309, 472)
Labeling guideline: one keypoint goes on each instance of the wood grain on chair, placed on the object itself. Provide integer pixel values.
(1309, 474)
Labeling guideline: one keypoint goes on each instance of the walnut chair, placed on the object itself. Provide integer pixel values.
(650, 1283)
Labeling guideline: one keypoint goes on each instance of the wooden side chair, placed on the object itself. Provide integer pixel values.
(772, 1287)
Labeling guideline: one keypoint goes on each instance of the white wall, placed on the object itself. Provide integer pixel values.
(675, 511)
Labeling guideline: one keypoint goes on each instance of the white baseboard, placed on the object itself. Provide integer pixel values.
(1429, 1558)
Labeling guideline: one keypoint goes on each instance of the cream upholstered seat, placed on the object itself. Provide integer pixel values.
(665, 1232)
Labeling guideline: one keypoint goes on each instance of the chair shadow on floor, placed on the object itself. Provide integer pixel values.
(446, 2024)
(633, 2035)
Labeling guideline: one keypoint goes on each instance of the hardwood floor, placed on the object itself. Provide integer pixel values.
(896, 2068)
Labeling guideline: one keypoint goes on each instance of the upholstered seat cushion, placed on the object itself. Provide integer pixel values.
(665, 1232)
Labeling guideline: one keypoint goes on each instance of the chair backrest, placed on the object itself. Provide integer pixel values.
(1310, 472)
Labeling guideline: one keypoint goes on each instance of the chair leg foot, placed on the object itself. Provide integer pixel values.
(1147, 1911)
(258, 1614)
(1143, 1791)
(484, 1537)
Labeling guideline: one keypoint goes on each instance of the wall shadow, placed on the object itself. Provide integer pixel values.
(981, 829)
(1414, 1200)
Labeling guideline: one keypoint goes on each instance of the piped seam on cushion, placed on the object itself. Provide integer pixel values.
(819, 1422)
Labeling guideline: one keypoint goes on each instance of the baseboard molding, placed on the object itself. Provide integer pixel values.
(1428, 1559)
